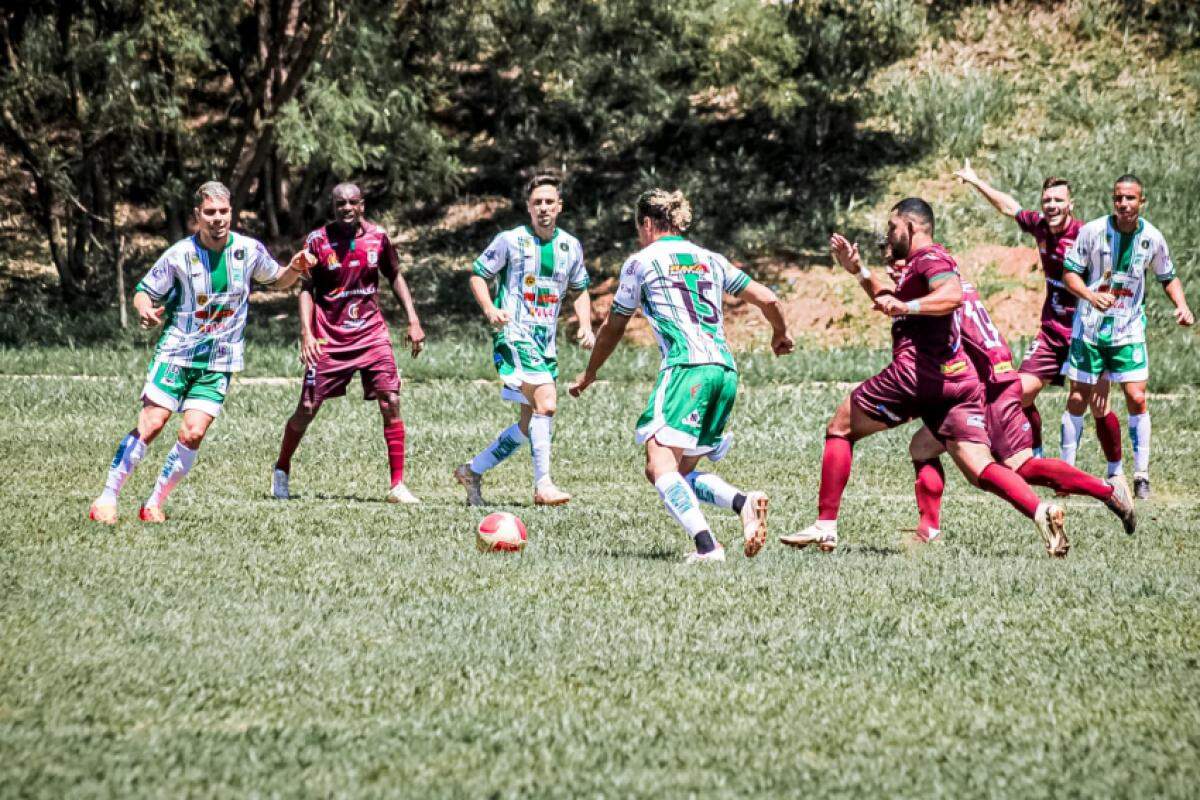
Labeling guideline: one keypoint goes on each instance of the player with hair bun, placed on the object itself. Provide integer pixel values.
(679, 286)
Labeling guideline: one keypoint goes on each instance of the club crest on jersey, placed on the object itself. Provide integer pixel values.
(331, 261)
(372, 257)
(240, 254)
(201, 299)
(530, 281)
(563, 246)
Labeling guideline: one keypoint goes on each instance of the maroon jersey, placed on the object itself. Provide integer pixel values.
(1058, 311)
(345, 287)
(982, 342)
(931, 344)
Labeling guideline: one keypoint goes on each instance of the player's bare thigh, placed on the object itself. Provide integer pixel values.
(542, 397)
(663, 460)
(1031, 387)
(851, 422)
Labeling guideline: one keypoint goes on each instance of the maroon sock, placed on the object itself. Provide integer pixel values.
(393, 434)
(835, 472)
(291, 440)
(931, 480)
(1035, 425)
(1006, 484)
(1062, 477)
(1108, 431)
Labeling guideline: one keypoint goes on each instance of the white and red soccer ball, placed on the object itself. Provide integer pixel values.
(501, 532)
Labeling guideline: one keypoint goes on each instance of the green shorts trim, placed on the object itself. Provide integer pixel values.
(1122, 363)
(177, 388)
(689, 408)
(522, 362)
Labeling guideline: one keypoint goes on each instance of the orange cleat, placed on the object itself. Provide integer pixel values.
(104, 513)
(152, 514)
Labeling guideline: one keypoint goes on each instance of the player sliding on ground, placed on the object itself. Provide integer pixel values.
(1107, 269)
(679, 286)
(1045, 362)
(342, 331)
(200, 290)
(930, 377)
(534, 265)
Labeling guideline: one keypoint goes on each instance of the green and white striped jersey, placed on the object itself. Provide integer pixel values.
(206, 295)
(679, 286)
(1119, 263)
(532, 277)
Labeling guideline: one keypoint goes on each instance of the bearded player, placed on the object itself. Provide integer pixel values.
(534, 266)
(1054, 230)
(930, 377)
(679, 286)
(199, 290)
(343, 331)
(1107, 269)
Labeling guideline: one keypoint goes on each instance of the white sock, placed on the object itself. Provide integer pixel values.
(540, 428)
(1139, 432)
(129, 454)
(711, 489)
(179, 462)
(681, 503)
(826, 525)
(1115, 468)
(1072, 429)
(503, 446)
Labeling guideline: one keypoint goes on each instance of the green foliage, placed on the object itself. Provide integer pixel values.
(947, 112)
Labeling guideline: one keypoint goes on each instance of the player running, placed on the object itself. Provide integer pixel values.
(1107, 269)
(534, 266)
(1054, 230)
(199, 289)
(679, 286)
(343, 331)
(930, 377)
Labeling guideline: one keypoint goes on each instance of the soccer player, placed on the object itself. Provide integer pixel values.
(1107, 269)
(342, 331)
(534, 266)
(1054, 229)
(679, 286)
(929, 377)
(199, 289)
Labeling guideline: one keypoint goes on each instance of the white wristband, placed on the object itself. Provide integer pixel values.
(914, 306)
(864, 274)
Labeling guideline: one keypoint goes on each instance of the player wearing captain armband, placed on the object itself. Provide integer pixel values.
(199, 290)
(1107, 270)
(533, 266)
(679, 286)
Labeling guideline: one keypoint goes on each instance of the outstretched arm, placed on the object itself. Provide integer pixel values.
(768, 303)
(1006, 204)
(607, 340)
(943, 299)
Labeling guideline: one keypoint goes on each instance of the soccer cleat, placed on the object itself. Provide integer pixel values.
(722, 448)
(1049, 519)
(547, 494)
(754, 522)
(279, 485)
(1141, 486)
(152, 514)
(914, 537)
(1121, 502)
(716, 554)
(825, 539)
(472, 482)
(400, 494)
(104, 513)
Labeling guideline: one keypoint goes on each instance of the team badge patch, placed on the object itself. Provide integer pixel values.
(201, 299)
(530, 281)
(331, 261)
(372, 257)
(563, 246)
(240, 254)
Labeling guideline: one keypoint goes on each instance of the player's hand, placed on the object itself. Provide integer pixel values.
(582, 382)
(846, 253)
(1183, 315)
(302, 262)
(586, 338)
(966, 174)
(152, 317)
(1102, 301)
(497, 317)
(310, 349)
(782, 344)
(888, 304)
(416, 338)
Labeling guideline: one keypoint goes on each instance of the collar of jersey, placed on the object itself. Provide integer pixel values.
(199, 245)
(671, 238)
(538, 239)
(1112, 227)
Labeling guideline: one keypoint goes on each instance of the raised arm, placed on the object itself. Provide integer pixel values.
(847, 254)
(1006, 204)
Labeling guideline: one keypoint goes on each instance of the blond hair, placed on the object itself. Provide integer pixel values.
(668, 209)
(213, 190)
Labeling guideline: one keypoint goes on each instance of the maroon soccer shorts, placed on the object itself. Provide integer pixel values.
(1046, 355)
(952, 408)
(1007, 426)
(331, 375)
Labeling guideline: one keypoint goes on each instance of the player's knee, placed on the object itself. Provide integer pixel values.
(191, 434)
(547, 408)
(1135, 400)
(389, 407)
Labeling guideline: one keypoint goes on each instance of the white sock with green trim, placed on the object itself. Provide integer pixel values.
(541, 427)
(1139, 433)
(503, 446)
(129, 454)
(681, 503)
(178, 464)
(1072, 429)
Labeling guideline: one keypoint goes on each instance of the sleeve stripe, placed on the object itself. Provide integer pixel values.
(480, 269)
(1075, 266)
(583, 284)
(617, 308)
(938, 277)
(1170, 276)
(739, 283)
(142, 287)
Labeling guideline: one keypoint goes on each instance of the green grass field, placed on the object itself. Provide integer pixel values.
(336, 645)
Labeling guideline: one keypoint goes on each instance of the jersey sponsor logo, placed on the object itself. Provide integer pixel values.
(975, 421)
(530, 281)
(954, 367)
(354, 322)
(1002, 367)
(201, 300)
(342, 291)
(372, 257)
(887, 412)
(331, 261)
(693, 269)
(692, 419)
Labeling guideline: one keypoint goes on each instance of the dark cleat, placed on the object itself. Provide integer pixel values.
(1121, 503)
(1141, 487)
